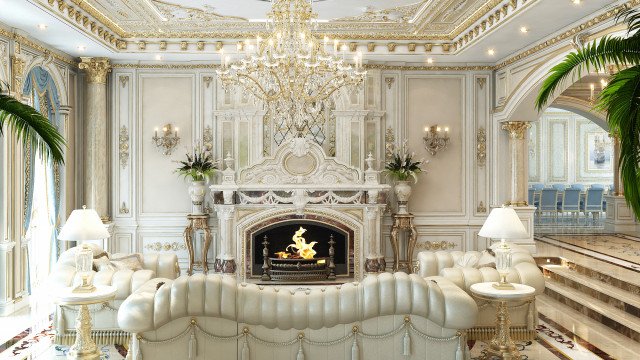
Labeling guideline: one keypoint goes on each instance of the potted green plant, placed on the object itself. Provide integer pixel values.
(401, 168)
(199, 167)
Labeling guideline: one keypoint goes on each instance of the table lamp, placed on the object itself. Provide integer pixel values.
(503, 223)
(83, 224)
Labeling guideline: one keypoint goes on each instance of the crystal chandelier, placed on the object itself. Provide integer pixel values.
(291, 71)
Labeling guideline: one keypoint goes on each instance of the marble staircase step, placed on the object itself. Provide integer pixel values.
(609, 315)
(588, 331)
(592, 286)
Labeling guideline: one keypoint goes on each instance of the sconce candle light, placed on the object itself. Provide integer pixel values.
(435, 139)
(169, 139)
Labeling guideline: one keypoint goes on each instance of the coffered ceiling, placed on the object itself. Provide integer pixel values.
(403, 31)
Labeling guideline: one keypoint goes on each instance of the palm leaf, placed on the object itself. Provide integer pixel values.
(595, 56)
(32, 128)
(621, 100)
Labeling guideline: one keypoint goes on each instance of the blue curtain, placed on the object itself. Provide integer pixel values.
(42, 88)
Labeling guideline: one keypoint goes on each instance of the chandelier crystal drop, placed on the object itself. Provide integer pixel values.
(291, 71)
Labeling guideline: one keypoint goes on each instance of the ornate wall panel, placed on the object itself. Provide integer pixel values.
(480, 88)
(430, 100)
(558, 145)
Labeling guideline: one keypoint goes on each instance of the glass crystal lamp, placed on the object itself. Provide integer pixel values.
(82, 225)
(503, 223)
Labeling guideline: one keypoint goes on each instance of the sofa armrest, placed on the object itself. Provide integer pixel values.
(430, 263)
(522, 273)
(164, 265)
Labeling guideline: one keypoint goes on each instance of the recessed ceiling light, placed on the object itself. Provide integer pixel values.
(159, 57)
(42, 27)
(491, 52)
(430, 61)
(524, 30)
(576, 2)
(82, 48)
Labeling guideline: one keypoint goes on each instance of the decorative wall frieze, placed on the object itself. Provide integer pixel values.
(481, 82)
(481, 147)
(123, 147)
(96, 68)
(435, 245)
(124, 79)
(159, 246)
(389, 81)
(17, 72)
(481, 209)
(207, 138)
(516, 129)
(389, 143)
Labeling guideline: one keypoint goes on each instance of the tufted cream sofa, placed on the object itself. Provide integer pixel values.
(105, 325)
(524, 317)
(186, 318)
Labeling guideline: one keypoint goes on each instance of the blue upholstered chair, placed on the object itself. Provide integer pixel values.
(592, 204)
(533, 197)
(548, 203)
(596, 187)
(570, 204)
(559, 187)
(536, 186)
(577, 187)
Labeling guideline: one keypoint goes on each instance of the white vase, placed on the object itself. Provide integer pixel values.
(402, 190)
(197, 191)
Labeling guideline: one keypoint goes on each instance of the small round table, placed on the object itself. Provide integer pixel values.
(84, 347)
(501, 344)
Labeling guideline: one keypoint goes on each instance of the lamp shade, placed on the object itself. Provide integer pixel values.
(83, 224)
(503, 223)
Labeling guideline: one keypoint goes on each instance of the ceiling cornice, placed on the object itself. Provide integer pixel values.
(28, 42)
(568, 34)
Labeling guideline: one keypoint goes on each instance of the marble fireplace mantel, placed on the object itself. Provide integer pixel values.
(299, 181)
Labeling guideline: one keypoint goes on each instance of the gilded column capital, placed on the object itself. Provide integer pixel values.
(97, 68)
(516, 129)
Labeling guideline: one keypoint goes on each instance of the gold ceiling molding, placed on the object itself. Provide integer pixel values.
(111, 32)
(366, 66)
(568, 34)
(99, 25)
(194, 13)
(487, 24)
(25, 41)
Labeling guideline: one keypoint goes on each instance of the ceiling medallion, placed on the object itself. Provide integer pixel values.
(292, 72)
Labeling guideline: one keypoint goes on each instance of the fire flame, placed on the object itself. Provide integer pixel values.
(303, 249)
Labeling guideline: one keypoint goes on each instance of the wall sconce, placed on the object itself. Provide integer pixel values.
(435, 139)
(169, 139)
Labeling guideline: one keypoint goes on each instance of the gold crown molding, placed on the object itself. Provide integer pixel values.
(25, 41)
(99, 26)
(487, 25)
(568, 34)
(369, 66)
(429, 68)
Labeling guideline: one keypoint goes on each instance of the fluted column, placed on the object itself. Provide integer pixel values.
(518, 161)
(95, 124)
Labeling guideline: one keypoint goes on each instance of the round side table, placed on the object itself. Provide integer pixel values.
(501, 344)
(84, 347)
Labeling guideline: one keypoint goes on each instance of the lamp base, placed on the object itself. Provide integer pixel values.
(504, 286)
(85, 287)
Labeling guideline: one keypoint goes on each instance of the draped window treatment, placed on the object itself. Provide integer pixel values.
(41, 88)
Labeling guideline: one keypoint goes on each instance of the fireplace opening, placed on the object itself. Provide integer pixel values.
(301, 250)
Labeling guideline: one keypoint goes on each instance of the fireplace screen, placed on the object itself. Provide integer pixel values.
(300, 250)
